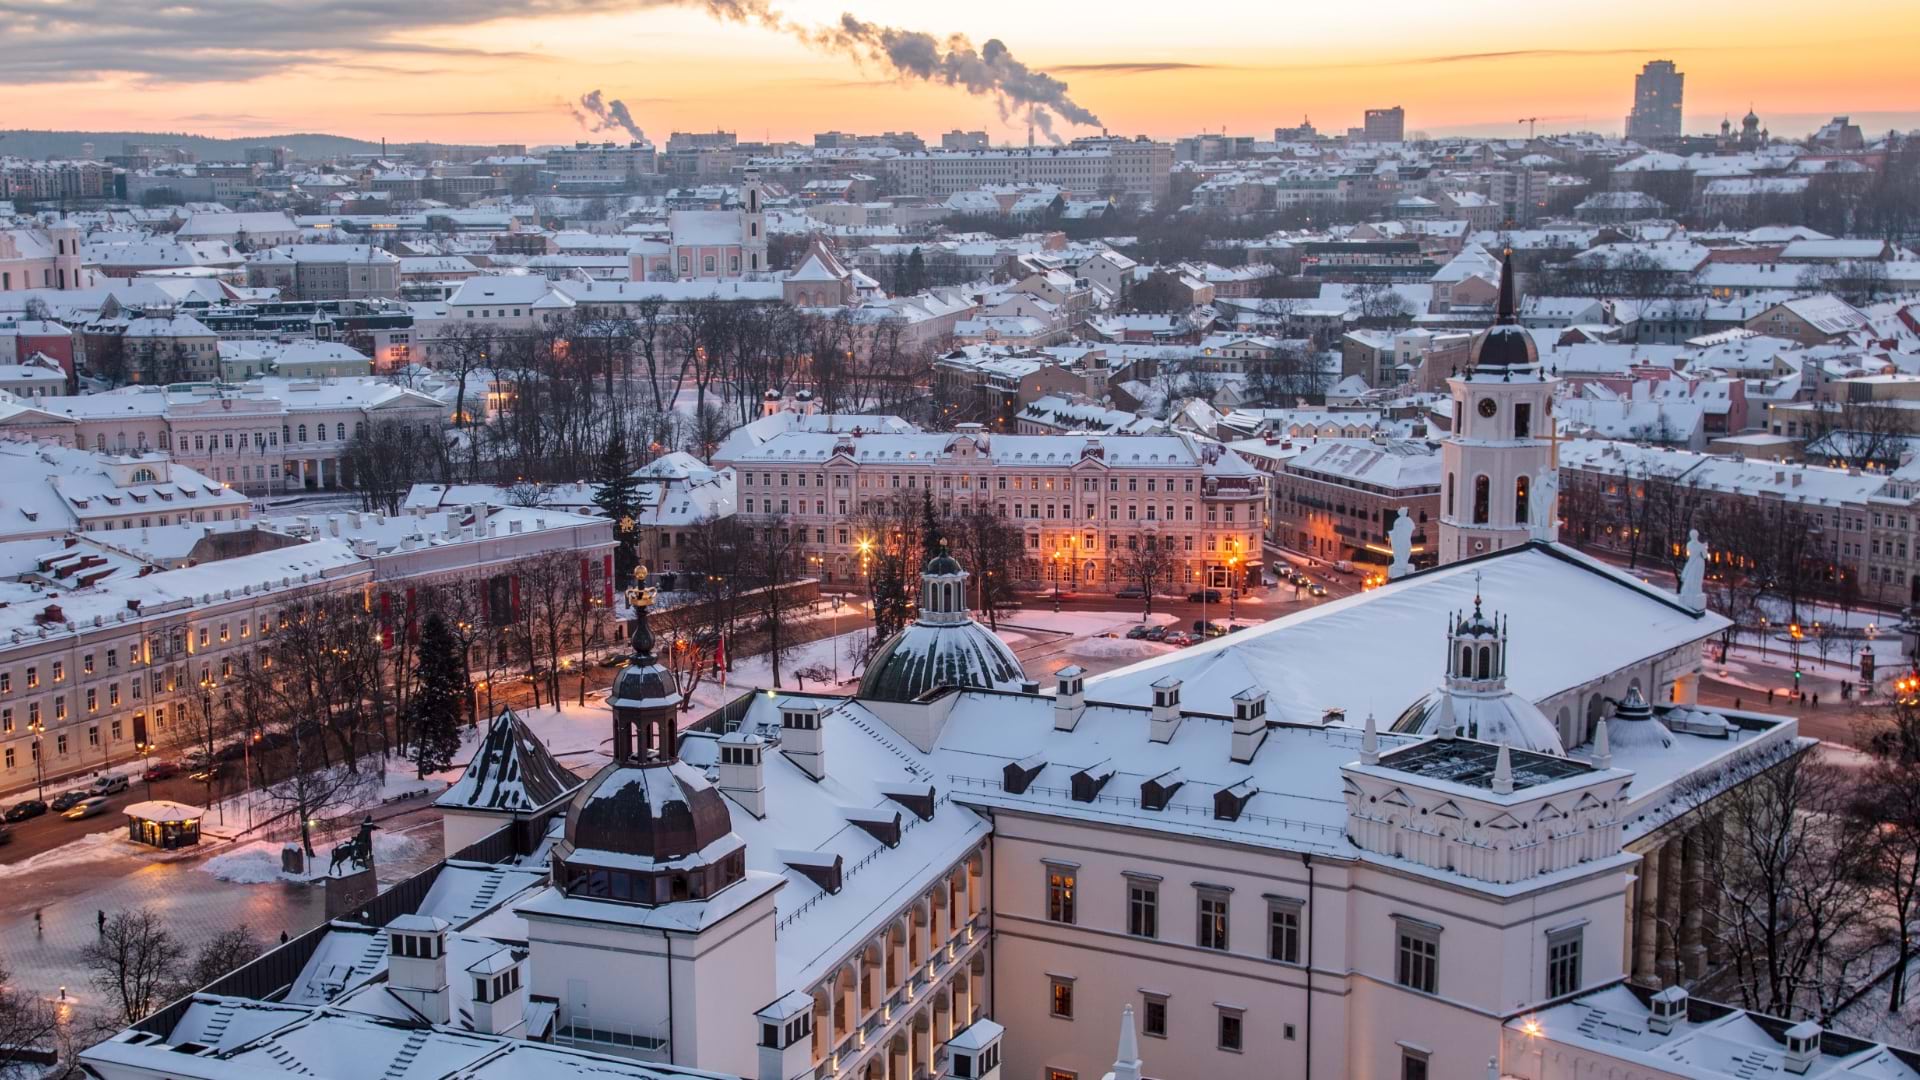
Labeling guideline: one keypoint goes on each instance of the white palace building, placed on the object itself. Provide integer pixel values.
(1422, 832)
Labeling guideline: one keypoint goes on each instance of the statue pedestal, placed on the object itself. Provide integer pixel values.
(350, 891)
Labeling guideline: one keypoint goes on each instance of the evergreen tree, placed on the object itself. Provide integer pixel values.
(930, 543)
(439, 699)
(916, 275)
(619, 499)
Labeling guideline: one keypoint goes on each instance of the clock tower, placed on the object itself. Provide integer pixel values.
(1499, 448)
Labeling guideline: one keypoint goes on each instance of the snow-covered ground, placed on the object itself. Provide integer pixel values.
(258, 863)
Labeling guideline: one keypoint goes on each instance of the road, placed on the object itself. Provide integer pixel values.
(50, 830)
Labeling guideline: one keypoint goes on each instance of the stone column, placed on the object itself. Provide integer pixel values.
(303, 471)
(320, 473)
(1668, 967)
(823, 1026)
(1645, 929)
(1693, 954)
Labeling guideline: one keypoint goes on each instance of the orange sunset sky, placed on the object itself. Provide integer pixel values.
(499, 71)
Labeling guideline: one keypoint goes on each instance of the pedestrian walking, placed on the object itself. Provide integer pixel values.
(1736, 703)
(37, 926)
(100, 921)
(283, 937)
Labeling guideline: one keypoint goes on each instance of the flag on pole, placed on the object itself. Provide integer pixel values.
(720, 662)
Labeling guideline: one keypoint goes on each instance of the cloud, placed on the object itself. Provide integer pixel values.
(606, 114)
(1135, 67)
(203, 41)
(468, 112)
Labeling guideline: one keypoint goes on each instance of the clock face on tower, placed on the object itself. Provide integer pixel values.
(1488, 407)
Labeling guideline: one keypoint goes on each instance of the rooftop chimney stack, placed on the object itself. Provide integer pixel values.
(1249, 723)
(417, 964)
(800, 736)
(1070, 698)
(1166, 710)
(743, 773)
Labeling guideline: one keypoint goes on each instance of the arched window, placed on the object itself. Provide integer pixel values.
(303, 438)
(143, 476)
(1482, 499)
(1520, 501)
(1465, 670)
(1450, 479)
(340, 432)
(1486, 662)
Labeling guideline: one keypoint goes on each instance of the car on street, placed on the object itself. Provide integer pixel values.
(1180, 638)
(27, 808)
(1209, 629)
(161, 770)
(1317, 590)
(209, 773)
(108, 784)
(67, 798)
(1204, 596)
(1301, 581)
(1131, 592)
(617, 660)
(1138, 632)
(1155, 633)
(196, 758)
(87, 808)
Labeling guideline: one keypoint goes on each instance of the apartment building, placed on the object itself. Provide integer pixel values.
(1083, 502)
(1337, 499)
(326, 271)
(107, 650)
(1088, 169)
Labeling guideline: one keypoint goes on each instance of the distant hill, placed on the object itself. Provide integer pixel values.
(308, 146)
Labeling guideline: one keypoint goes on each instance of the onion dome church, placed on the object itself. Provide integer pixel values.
(943, 647)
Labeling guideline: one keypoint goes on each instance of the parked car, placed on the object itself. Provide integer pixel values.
(1206, 596)
(1317, 590)
(1138, 632)
(27, 808)
(197, 758)
(1131, 592)
(108, 784)
(88, 807)
(161, 770)
(1155, 633)
(67, 798)
(1180, 638)
(1209, 629)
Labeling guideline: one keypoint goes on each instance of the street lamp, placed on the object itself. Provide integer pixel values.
(1233, 590)
(836, 638)
(39, 762)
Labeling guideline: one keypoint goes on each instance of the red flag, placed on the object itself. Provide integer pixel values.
(720, 654)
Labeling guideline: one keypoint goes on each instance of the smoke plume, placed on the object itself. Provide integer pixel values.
(607, 114)
(990, 71)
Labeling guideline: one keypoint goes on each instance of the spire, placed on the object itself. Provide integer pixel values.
(1503, 772)
(1506, 315)
(640, 598)
(1126, 1064)
(1602, 748)
(1370, 743)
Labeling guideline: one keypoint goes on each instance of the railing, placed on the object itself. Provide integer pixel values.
(575, 1034)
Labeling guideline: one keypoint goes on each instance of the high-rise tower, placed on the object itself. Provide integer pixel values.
(1656, 103)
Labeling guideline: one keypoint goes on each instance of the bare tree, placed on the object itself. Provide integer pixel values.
(29, 1026)
(1148, 562)
(134, 963)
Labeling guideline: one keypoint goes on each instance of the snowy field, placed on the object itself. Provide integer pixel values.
(258, 863)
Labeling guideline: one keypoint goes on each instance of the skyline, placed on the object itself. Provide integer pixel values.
(454, 72)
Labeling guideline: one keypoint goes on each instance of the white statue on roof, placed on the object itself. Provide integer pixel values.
(1402, 536)
(1543, 505)
(1693, 576)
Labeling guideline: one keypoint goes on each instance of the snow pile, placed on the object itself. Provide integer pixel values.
(107, 844)
(258, 863)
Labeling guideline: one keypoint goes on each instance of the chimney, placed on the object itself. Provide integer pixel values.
(1668, 1010)
(743, 774)
(499, 997)
(417, 964)
(800, 736)
(1070, 699)
(1249, 723)
(1166, 710)
(1803, 1047)
(333, 525)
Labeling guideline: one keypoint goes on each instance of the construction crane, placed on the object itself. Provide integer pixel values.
(1530, 121)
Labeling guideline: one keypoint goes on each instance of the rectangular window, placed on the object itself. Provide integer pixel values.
(1060, 882)
(1413, 1065)
(1153, 1016)
(1143, 908)
(1563, 961)
(1213, 920)
(1231, 1032)
(1419, 956)
(1283, 930)
(1060, 997)
(59, 671)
